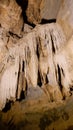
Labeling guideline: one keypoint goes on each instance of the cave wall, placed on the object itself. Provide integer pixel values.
(49, 9)
(36, 57)
(65, 17)
(11, 16)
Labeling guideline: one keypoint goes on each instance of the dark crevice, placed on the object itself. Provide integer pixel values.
(45, 21)
(39, 79)
(7, 106)
(22, 95)
(31, 24)
(59, 78)
(45, 36)
(22, 27)
(24, 5)
(0, 25)
(23, 66)
(22, 73)
(14, 35)
(59, 82)
(18, 81)
(71, 88)
(63, 72)
(53, 48)
(26, 88)
(37, 51)
(47, 80)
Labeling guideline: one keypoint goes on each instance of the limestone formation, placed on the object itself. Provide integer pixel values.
(22, 61)
(64, 67)
(27, 28)
(35, 57)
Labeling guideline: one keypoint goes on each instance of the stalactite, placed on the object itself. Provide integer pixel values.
(37, 59)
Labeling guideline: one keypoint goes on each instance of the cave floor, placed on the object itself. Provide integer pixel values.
(32, 114)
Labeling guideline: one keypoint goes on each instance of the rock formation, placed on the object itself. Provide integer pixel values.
(32, 54)
(10, 16)
(34, 57)
(33, 11)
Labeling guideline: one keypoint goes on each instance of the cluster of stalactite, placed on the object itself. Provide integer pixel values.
(37, 59)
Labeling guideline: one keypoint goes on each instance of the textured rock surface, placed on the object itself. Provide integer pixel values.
(35, 54)
(33, 11)
(64, 66)
(27, 60)
(10, 16)
(42, 9)
(36, 65)
(65, 17)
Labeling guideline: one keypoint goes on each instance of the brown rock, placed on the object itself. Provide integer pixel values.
(42, 9)
(10, 16)
(33, 11)
(41, 52)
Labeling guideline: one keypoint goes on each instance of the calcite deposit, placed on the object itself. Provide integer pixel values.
(35, 57)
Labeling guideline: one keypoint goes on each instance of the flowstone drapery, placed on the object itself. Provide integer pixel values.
(32, 56)
(35, 57)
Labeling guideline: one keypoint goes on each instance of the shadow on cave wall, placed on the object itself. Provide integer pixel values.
(24, 5)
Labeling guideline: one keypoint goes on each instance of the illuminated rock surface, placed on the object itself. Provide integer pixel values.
(36, 67)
